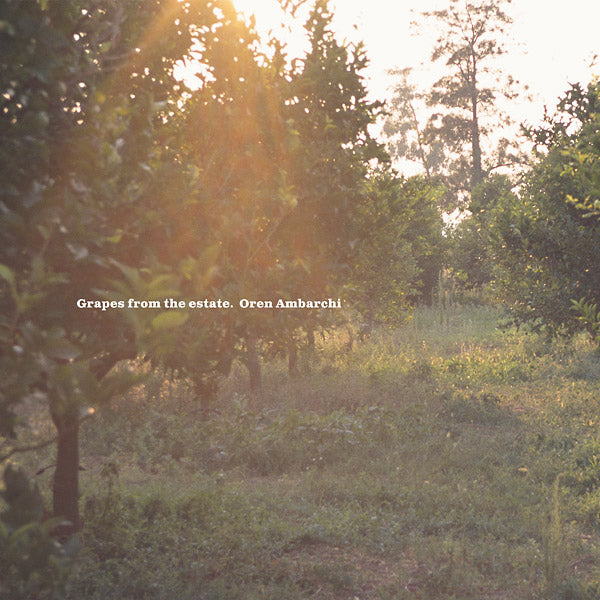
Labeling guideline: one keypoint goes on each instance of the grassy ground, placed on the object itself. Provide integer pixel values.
(446, 459)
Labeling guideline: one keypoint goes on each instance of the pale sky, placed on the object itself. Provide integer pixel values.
(556, 42)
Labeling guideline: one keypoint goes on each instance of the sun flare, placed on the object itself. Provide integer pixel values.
(271, 20)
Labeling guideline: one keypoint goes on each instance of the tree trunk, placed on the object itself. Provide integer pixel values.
(66, 476)
(477, 173)
(350, 342)
(292, 359)
(65, 489)
(422, 154)
(310, 338)
(205, 398)
(367, 326)
(252, 363)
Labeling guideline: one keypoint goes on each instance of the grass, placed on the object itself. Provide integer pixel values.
(436, 461)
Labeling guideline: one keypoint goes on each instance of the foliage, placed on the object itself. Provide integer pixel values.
(275, 192)
(543, 245)
(384, 271)
(588, 315)
(399, 264)
(404, 130)
(359, 231)
(34, 564)
(472, 256)
(425, 234)
(334, 155)
(429, 458)
(102, 91)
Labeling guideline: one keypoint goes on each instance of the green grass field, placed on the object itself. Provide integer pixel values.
(446, 459)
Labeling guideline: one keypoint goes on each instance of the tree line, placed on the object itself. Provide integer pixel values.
(528, 199)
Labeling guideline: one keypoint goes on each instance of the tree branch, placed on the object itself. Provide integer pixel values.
(19, 449)
(39, 445)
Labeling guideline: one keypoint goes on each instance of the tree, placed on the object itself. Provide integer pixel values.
(238, 155)
(384, 271)
(43, 101)
(404, 127)
(122, 183)
(400, 263)
(327, 105)
(463, 103)
(85, 92)
(544, 245)
(472, 258)
(34, 565)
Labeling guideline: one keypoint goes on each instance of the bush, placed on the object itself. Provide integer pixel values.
(34, 563)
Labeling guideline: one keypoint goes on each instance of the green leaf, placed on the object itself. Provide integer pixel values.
(114, 239)
(8, 276)
(169, 319)
(119, 383)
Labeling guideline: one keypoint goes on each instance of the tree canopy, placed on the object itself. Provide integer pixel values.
(463, 138)
(544, 246)
(122, 183)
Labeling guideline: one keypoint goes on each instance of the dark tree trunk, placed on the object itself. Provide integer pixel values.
(309, 351)
(66, 476)
(477, 173)
(310, 338)
(65, 490)
(292, 359)
(204, 407)
(350, 342)
(367, 326)
(422, 154)
(252, 363)
(205, 397)
(205, 392)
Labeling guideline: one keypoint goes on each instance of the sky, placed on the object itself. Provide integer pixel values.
(553, 43)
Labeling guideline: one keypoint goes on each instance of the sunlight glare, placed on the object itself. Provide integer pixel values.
(272, 20)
